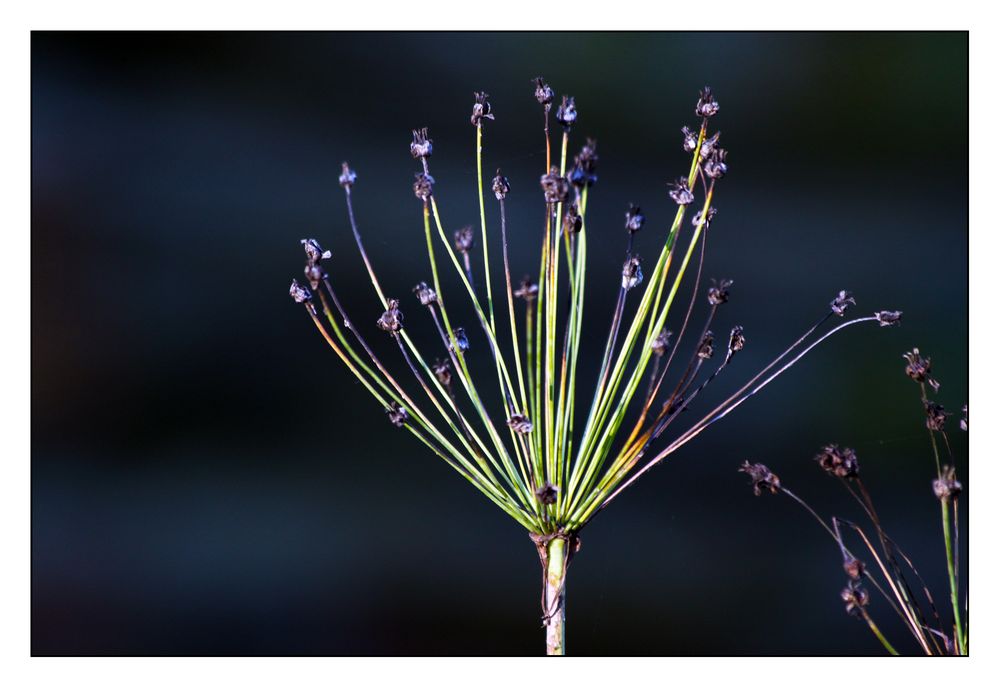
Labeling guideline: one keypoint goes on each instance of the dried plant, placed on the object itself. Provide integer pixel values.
(546, 460)
(895, 570)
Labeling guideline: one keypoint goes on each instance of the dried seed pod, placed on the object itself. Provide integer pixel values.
(690, 140)
(426, 294)
(718, 293)
(841, 462)
(681, 192)
(501, 186)
(423, 187)
(461, 343)
(707, 105)
(566, 114)
(709, 145)
(761, 478)
(631, 272)
(442, 371)
(520, 423)
(572, 220)
(464, 239)
(347, 176)
(547, 493)
(840, 302)
(315, 274)
(888, 318)
(708, 217)
(918, 368)
(555, 188)
(634, 219)
(299, 293)
(314, 252)
(661, 343)
(584, 172)
(736, 340)
(392, 319)
(715, 167)
(528, 290)
(936, 416)
(544, 93)
(854, 568)
(422, 147)
(947, 486)
(481, 109)
(706, 347)
(855, 598)
(397, 414)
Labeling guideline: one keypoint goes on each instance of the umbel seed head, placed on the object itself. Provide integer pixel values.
(706, 347)
(631, 272)
(718, 293)
(855, 598)
(423, 187)
(442, 371)
(854, 568)
(708, 217)
(715, 167)
(572, 221)
(690, 140)
(299, 293)
(840, 302)
(936, 416)
(888, 318)
(397, 415)
(528, 290)
(918, 368)
(661, 343)
(426, 295)
(520, 423)
(555, 188)
(707, 105)
(464, 239)
(708, 146)
(947, 486)
(736, 340)
(315, 274)
(314, 252)
(461, 343)
(584, 172)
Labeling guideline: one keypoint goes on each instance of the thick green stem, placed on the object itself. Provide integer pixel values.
(555, 596)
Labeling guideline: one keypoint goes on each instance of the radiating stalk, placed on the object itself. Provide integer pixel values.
(952, 583)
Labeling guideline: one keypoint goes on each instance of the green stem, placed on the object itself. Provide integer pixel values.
(878, 634)
(959, 630)
(555, 597)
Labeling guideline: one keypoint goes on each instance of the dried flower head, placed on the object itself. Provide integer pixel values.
(661, 343)
(528, 290)
(464, 239)
(855, 598)
(299, 293)
(423, 187)
(520, 423)
(572, 220)
(461, 343)
(681, 192)
(761, 478)
(397, 415)
(501, 186)
(706, 347)
(544, 93)
(690, 140)
(422, 147)
(736, 340)
(707, 105)
(964, 422)
(481, 109)
(315, 274)
(631, 272)
(566, 114)
(347, 176)
(634, 219)
(918, 368)
(547, 493)
(888, 318)
(425, 293)
(584, 172)
(854, 568)
(709, 145)
(314, 252)
(841, 462)
(392, 319)
(709, 216)
(556, 188)
(718, 293)
(936, 415)
(840, 302)
(442, 371)
(947, 486)
(715, 167)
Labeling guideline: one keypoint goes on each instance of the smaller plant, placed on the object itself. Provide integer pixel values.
(894, 567)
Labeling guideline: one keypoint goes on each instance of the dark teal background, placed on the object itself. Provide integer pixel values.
(208, 479)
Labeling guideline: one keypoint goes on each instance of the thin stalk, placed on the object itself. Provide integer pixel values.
(482, 222)
(952, 583)
(555, 597)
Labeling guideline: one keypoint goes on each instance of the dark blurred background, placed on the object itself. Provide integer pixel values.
(208, 479)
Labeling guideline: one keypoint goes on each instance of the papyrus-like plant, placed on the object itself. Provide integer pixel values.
(548, 448)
